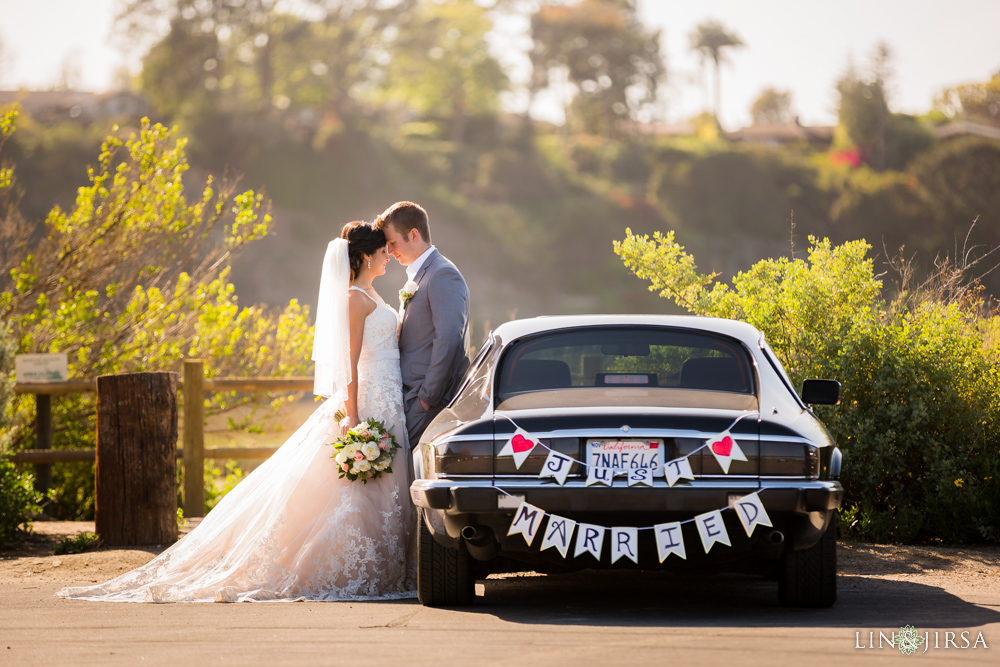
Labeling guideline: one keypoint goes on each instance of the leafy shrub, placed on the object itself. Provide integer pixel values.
(214, 491)
(76, 544)
(135, 277)
(919, 416)
(18, 501)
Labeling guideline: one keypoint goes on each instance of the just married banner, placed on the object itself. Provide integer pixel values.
(559, 531)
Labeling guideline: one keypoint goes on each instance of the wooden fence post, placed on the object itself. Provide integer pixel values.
(194, 438)
(43, 440)
(136, 496)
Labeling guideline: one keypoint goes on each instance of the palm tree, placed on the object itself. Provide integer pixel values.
(709, 39)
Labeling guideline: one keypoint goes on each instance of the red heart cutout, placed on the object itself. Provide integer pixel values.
(723, 447)
(521, 444)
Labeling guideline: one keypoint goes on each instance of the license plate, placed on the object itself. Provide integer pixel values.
(624, 454)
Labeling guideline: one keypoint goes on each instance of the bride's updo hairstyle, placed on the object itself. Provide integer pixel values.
(362, 239)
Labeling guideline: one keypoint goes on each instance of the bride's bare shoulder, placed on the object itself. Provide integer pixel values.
(359, 305)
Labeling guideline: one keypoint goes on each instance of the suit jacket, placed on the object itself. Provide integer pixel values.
(434, 334)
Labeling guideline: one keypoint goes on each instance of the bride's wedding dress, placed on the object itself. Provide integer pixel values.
(292, 529)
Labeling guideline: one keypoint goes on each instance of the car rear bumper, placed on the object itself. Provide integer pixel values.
(799, 509)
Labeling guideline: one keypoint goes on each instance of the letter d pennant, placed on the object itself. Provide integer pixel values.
(751, 513)
(519, 446)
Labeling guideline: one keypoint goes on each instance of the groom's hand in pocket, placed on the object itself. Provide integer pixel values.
(424, 405)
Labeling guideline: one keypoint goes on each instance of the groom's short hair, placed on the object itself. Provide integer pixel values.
(404, 216)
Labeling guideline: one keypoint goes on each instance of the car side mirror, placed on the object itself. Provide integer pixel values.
(820, 392)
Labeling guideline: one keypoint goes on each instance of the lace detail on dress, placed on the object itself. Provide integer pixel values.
(293, 530)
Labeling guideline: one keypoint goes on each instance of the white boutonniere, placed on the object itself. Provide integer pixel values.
(408, 292)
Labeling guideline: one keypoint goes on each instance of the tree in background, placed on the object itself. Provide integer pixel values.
(710, 40)
(864, 109)
(602, 49)
(977, 102)
(884, 139)
(440, 63)
(772, 106)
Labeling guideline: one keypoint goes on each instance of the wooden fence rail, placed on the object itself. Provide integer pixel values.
(192, 450)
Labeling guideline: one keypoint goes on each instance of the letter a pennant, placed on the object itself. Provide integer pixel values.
(725, 450)
(751, 513)
(558, 534)
(711, 529)
(519, 446)
(526, 522)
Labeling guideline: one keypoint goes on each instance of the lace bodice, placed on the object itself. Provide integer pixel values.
(380, 327)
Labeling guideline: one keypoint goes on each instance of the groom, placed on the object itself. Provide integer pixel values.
(434, 332)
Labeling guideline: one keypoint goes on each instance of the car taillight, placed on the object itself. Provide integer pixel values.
(788, 459)
(463, 457)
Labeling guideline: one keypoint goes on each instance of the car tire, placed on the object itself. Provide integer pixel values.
(444, 576)
(808, 578)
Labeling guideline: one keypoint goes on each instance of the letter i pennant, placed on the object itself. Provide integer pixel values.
(519, 446)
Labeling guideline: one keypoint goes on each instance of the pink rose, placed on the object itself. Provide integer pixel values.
(381, 445)
(358, 456)
(344, 467)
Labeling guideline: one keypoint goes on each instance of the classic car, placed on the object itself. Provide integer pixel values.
(614, 441)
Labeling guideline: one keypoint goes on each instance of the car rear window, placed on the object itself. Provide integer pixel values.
(626, 358)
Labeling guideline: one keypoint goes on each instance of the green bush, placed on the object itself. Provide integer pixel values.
(136, 277)
(18, 501)
(919, 416)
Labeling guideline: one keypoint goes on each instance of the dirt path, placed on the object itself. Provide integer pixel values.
(579, 619)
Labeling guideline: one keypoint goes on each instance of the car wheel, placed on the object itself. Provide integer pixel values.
(444, 576)
(808, 578)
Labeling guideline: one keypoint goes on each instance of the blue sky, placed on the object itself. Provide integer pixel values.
(797, 45)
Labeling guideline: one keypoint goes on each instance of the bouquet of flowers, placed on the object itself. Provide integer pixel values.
(365, 451)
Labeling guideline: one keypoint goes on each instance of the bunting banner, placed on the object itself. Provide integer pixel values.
(560, 531)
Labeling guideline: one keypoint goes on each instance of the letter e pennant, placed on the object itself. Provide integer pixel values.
(711, 529)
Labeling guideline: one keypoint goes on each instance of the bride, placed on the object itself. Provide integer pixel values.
(293, 529)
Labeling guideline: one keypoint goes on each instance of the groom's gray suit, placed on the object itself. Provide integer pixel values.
(433, 342)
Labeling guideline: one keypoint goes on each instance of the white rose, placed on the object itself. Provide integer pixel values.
(341, 457)
(349, 451)
(363, 466)
(381, 466)
(371, 451)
